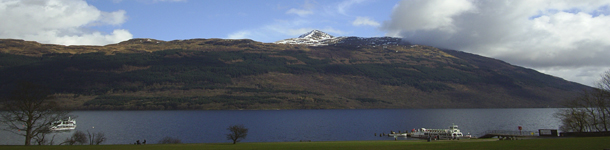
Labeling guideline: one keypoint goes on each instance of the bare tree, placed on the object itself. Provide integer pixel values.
(29, 112)
(573, 120)
(78, 137)
(604, 102)
(604, 83)
(169, 140)
(69, 141)
(589, 112)
(238, 132)
(96, 139)
(41, 138)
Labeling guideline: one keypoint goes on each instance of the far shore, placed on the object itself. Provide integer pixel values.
(490, 143)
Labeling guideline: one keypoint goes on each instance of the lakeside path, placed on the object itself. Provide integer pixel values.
(537, 143)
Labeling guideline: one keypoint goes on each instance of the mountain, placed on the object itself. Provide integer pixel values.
(319, 38)
(316, 35)
(334, 73)
(312, 38)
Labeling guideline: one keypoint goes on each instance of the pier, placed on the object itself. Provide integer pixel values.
(507, 135)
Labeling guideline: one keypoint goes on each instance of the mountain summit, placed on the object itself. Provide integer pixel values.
(319, 38)
(312, 38)
(316, 35)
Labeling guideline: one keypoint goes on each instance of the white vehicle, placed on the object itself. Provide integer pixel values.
(59, 125)
(452, 133)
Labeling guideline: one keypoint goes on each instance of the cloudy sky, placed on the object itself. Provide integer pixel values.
(565, 38)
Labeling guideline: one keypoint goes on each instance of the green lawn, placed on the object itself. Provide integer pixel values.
(555, 143)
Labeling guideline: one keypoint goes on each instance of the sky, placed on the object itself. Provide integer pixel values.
(569, 39)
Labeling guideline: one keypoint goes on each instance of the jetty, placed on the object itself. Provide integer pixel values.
(507, 135)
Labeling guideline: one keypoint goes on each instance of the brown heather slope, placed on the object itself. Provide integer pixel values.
(31, 48)
(245, 74)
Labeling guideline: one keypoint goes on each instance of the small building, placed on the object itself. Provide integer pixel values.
(548, 132)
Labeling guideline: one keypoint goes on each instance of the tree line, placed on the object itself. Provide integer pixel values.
(168, 103)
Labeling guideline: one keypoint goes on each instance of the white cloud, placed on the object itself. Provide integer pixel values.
(307, 9)
(299, 12)
(335, 32)
(308, 16)
(151, 1)
(365, 21)
(240, 35)
(282, 29)
(294, 28)
(295, 32)
(563, 38)
(59, 22)
(113, 18)
(588, 75)
(345, 5)
(169, 0)
(428, 14)
(300, 31)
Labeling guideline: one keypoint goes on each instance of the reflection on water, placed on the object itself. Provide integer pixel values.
(125, 127)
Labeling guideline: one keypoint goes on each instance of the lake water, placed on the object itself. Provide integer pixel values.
(125, 127)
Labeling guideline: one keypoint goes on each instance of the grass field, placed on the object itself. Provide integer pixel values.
(550, 143)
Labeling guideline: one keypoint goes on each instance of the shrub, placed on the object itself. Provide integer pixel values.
(169, 140)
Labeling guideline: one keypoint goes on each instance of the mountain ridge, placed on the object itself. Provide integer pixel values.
(316, 34)
(354, 73)
(319, 38)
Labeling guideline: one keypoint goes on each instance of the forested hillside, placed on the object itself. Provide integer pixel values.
(244, 74)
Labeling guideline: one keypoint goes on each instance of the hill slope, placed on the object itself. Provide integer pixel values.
(245, 74)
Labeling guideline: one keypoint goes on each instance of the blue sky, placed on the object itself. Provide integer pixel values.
(564, 38)
(265, 21)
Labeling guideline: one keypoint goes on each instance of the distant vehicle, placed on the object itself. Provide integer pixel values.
(60, 125)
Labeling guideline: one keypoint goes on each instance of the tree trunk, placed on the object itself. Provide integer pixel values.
(28, 136)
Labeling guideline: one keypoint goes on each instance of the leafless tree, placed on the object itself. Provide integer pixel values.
(573, 119)
(238, 132)
(604, 101)
(29, 112)
(78, 137)
(96, 139)
(169, 140)
(41, 138)
(589, 112)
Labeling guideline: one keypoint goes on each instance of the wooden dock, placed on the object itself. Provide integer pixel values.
(508, 135)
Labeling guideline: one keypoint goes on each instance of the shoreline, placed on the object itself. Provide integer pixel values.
(533, 143)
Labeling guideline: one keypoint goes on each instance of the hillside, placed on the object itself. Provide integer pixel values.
(348, 73)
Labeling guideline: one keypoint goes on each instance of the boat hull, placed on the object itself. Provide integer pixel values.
(61, 125)
(398, 134)
(62, 128)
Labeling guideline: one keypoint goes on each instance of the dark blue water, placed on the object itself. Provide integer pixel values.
(125, 127)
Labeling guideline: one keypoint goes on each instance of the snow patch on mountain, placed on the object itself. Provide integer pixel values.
(312, 38)
(319, 38)
(316, 34)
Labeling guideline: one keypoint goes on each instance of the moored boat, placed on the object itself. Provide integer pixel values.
(394, 134)
(452, 133)
(59, 125)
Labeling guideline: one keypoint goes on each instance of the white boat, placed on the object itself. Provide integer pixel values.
(398, 134)
(59, 125)
(452, 133)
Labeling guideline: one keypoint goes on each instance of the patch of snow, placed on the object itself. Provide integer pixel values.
(319, 38)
